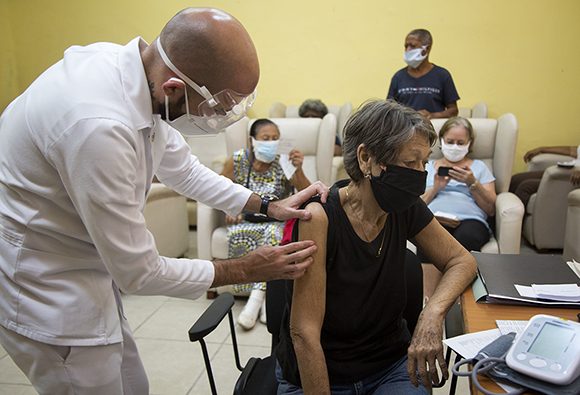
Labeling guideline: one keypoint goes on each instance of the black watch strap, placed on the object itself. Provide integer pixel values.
(264, 206)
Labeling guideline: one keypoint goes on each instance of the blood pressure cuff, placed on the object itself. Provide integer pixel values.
(502, 372)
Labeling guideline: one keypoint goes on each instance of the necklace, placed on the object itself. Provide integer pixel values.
(380, 250)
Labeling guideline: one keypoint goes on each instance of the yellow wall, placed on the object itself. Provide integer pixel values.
(519, 56)
(9, 86)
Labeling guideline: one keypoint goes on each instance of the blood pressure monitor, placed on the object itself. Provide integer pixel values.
(548, 349)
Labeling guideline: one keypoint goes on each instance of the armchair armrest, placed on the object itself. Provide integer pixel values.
(572, 235)
(211, 317)
(543, 161)
(208, 220)
(509, 214)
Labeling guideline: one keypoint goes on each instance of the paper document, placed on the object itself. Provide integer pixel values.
(575, 266)
(559, 292)
(470, 344)
(507, 326)
(285, 146)
(567, 292)
(287, 166)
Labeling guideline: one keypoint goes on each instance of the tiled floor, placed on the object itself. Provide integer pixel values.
(174, 365)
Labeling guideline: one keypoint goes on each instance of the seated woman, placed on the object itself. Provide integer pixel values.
(258, 169)
(524, 185)
(468, 192)
(315, 108)
(344, 332)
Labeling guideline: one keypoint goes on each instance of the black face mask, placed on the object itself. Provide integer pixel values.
(398, 188)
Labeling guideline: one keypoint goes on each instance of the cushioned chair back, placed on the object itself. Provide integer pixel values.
(495, 145)
(342, 113)
(210, 150)
(313, 136)
(479, 110)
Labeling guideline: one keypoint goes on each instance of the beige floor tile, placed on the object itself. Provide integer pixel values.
(139, 308)
(15, 389)
(10, 373)
(172, 366)
(174, 318)
(2, 352)
(224, 369)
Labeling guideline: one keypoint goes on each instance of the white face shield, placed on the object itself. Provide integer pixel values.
(216, 112)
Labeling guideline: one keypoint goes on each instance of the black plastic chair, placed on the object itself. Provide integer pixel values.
(258, 375)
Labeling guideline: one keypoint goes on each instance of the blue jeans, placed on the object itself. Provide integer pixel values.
(392, 381)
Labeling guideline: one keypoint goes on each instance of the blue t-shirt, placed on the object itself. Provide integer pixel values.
(432, 92)
(456, 198)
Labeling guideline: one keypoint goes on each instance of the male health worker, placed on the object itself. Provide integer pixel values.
(78, 152)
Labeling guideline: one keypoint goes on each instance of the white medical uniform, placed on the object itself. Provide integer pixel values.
(78, 151)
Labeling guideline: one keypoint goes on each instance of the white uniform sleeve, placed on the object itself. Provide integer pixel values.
(97, 161)
(183, 172)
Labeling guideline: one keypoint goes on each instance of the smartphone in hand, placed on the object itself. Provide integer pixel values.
(443, 171)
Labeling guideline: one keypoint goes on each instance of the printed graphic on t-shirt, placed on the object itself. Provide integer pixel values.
(421, 90)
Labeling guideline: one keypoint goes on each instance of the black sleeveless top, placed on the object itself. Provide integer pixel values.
(363, 330)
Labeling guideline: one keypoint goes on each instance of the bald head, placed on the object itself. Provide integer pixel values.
(213, 49)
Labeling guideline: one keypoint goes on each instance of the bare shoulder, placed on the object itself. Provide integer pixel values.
(318, 214)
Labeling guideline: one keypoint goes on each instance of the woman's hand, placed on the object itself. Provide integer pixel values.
(233, 220)
(440, 183)
(297, 158)
(462, 174)
(426, 352)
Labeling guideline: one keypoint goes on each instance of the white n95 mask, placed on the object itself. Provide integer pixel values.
(454, 152)
(217, 112)
(414, 58)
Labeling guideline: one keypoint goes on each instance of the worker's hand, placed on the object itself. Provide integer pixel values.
(426, 352)
(289, 261)
(233, 220)
(288, 208)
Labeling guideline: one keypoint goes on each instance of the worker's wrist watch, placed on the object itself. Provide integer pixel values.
(474, 185)
(264, 205)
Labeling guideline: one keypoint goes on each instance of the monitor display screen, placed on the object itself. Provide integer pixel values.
(551, 341)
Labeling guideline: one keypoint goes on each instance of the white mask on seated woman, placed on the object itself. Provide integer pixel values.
(454, 152)
(265, 150)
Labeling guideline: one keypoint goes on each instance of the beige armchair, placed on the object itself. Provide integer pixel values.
(543, 161)
(313, 136)
(211, 152)
(479, 110)
(572, 233)
(166, 217)
(495, 145)
(341, 112)
(545, 220)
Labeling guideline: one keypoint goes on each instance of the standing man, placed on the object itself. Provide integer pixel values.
(423, 85)
(79, 150)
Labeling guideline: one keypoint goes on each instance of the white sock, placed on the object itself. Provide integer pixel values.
(263, 312)
(249, 315)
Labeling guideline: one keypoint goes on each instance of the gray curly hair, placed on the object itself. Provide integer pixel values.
(383, 126)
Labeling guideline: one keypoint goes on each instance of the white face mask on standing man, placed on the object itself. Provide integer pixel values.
(414, 58)
(217, 112)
